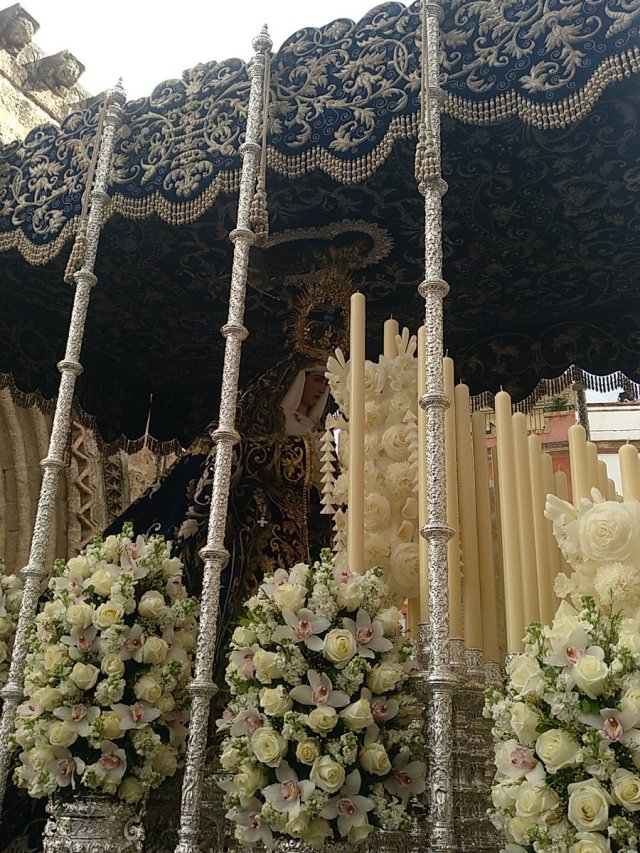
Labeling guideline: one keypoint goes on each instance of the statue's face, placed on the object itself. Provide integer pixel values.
(315, 384)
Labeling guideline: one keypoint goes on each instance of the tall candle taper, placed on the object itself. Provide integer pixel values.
(485, 539)
(423, 545)
(538, 497)
(531, 601)
(391, 329)
(355, 517)
(509, 524)
(456, 628)
(579, 464)
(630, 472)
(592, 466)
(468, 521)
(552, 545)
(603, 479)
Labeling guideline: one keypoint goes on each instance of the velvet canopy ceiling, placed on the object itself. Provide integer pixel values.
(541, 149)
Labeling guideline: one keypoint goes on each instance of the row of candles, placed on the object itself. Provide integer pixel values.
(523, 475)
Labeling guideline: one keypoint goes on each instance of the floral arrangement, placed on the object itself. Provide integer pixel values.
(391, 466)
(567, 729)
(10, 600)
(106, 675)
(316, 732)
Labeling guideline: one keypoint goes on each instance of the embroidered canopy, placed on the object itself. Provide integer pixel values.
(542, 247)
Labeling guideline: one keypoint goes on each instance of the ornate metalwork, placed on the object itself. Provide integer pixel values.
(93, 825)
(214, 553)
(35, 571)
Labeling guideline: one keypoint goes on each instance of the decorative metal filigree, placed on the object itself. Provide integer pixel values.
(93, 825)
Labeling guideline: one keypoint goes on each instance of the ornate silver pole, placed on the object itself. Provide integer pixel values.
(225, 436)
(35, 572)
(440, 681)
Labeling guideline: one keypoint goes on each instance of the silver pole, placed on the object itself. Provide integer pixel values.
(439, 679)
(225, 436)
(35, 572)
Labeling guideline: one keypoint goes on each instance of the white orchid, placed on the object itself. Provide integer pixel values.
(368, 635)
(243, 660)
(349, 807)
(616, 726)
(80, 641)
(407, 778)
(382, 707)
(247, 722)
(288, 794)
(130, 557)
(247, 818)
(65, 767)
(132, 643)
(302, 627)
(112, 761)
(319, 691)
(78, 718)
(136, 716)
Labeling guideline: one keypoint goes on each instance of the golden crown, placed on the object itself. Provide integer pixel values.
(321, 312)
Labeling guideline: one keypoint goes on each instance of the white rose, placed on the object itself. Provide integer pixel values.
(151, 605)
(590, 842)
(111, 547)
(81, 566)
(291, 595)
(165, 761)
(248, 779)
(377, 511)
(166, 703)
(518, 828)
(588, 808)
(187, 639)
(323, 719)
(525, 675)
(243, 637)
(590, 674)
(339, 646)
(40, 756)
(265, 665)
(54, 656)
(307, 751)
(111, 725)
(374, 759)
(317, 833)
(102, 580)
(630, 704)
(383, 678)
(298, 825)
(299, 574)
(47, 698)
(80, 615)
(108, 614)
(327, 774)
(230, 759)
(53, 610)
(557, 750)
(608, 531)
(349, 594)
(357, 716)
(268, 746)
(524, 721)
(405, 568)
(358, 833)
(111, 664)
(147, 689)
(60, 734)
(275, 701)
(154, 650)
(536, 802)
(625, 789)
(171, 567)
(629, 635)
(130, 790)
(503, 795)
(391, 620)
(84, 675)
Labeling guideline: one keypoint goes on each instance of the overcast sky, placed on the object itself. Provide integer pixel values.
(146, 42)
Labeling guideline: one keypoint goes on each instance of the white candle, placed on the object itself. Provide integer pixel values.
(592, 466)
(612, 494)
(579, 463)
(603, 479)
(531, 601)
(355, 517)
(538, 500)
(391, 329)
(423, 545)
(485, 539)
(630, 472)
(456, 628)
(554, 551)
(509, 524)
(472, 611)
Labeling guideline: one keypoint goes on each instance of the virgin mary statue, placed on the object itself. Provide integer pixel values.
(274, 518)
